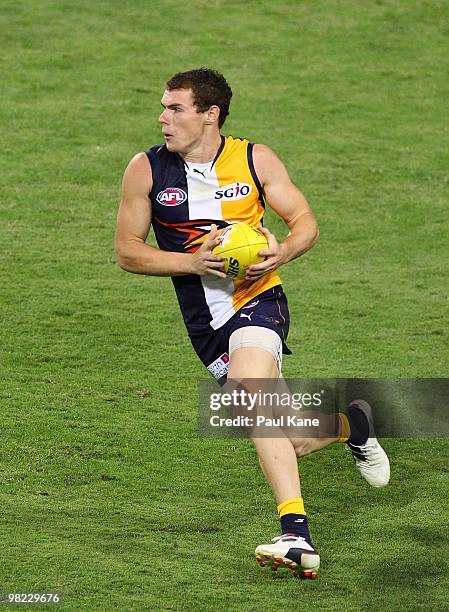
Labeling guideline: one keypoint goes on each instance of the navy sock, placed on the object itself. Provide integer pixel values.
(296, 524)
(359, 426)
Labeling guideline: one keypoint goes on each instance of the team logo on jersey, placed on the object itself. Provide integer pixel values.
(172, 196)
(191, 234)
(233, 192)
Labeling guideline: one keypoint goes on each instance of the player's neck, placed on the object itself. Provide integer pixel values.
(205, 151)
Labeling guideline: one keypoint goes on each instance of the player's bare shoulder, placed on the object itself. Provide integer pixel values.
(262, 151)
(135, 204)
(262, 154)
(267, 164)
(138, 176)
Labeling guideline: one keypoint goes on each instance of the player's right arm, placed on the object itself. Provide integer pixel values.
(133, 226)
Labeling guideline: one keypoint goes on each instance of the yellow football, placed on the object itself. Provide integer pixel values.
(239, 246)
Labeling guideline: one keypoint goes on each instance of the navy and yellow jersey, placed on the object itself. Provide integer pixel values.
(186, 199)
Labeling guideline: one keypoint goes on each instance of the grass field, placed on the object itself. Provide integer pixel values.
(106, 492)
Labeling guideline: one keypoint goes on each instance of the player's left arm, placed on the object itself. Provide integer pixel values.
(290, 204)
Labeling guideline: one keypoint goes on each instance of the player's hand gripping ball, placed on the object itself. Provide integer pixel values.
(239, 245)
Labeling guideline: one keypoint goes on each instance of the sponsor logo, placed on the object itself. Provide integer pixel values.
(233, 267)
(203, 174)
(243, 315)
(172, 196)
(251, 305)
(219, 367)
(233, 192)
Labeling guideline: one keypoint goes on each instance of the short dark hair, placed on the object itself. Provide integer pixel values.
(208, 86)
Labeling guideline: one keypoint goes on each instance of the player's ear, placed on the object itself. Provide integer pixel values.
(213, 114)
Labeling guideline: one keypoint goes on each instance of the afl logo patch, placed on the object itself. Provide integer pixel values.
(172, 196)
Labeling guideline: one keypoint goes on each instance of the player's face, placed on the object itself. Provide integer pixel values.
(182, 125)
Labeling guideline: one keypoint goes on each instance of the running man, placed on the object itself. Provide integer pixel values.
(186, 188)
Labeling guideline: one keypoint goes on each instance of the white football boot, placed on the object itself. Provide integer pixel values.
(370, 458)
(292, 552)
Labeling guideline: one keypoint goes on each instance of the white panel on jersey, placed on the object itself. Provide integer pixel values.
(218, 293)
(202, 183)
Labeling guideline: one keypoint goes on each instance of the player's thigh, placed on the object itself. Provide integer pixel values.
(254, 352)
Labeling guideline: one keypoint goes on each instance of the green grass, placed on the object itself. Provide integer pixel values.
(107, 493)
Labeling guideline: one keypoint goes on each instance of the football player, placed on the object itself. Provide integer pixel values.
(186, 188)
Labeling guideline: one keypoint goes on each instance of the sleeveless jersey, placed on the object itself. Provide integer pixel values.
(186, 199)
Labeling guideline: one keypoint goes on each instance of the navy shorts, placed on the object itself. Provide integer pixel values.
(268, 309)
